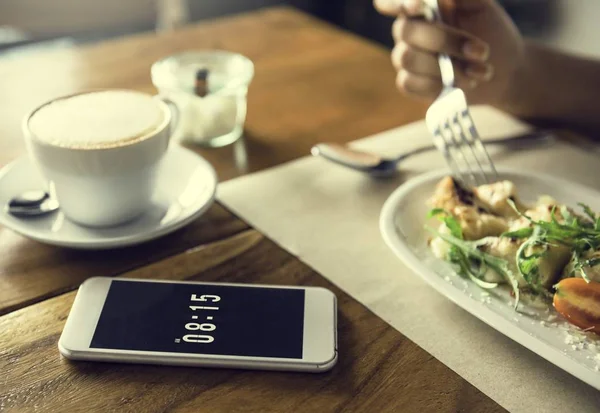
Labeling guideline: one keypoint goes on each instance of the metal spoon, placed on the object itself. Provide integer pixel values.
(32, 203)
(378, 166)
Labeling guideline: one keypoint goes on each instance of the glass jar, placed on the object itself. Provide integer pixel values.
(210, 89)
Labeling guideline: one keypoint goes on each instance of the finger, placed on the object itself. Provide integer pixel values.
(440, 38)
(415, 60)
(448, 8)
(394, 8)
(465, 5)
(480, 72)
(468, 78)
(388, 7)
(422, 86)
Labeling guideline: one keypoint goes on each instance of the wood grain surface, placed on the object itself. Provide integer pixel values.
(31, 271)
(313, 83)
(378, 370)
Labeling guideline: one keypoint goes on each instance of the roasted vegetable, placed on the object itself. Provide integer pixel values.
(579, 302)
(492, 239)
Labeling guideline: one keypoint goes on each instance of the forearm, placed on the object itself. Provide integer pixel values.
(552, 86)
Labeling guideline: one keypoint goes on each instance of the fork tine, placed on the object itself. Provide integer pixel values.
(479, 151)
(456, 152)
(440, 142)
(450, 118)
(477, 171)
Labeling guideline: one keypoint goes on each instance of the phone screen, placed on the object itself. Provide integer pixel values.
(202, 319)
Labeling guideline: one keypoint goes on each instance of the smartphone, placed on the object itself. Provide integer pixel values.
(202, 324)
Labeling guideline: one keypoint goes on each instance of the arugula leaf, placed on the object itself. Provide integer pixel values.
(571, 232)
(580, 266)
(456, 255)
(519, 233)
(569, 218)
(592, 262)
(512, 204)
(588, 211)
(470, 250)
(451, 222)
(468, 268)
(435, 212)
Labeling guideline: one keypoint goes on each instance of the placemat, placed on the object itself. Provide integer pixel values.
(328, 217)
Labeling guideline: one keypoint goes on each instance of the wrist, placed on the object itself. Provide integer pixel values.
(553, 88)
(520, 94)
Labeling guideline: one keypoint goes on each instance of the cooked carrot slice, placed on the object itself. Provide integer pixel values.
(579, 302)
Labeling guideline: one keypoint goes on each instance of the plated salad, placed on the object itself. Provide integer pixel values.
(546, 253)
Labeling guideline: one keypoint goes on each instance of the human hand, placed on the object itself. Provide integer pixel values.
(486, 48)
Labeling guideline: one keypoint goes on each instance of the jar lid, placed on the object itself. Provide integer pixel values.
(224, 71)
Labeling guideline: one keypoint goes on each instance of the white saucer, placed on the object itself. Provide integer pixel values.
(186, 189)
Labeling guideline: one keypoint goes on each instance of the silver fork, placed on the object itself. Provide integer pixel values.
(450, 122)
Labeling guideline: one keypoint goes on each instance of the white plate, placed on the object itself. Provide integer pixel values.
(186, 188)
(402, 224)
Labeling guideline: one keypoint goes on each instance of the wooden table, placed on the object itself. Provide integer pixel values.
(313, 83)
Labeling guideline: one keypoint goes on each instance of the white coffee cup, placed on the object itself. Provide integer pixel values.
(100, 152)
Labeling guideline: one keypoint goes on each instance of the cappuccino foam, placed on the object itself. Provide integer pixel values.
(102, 119)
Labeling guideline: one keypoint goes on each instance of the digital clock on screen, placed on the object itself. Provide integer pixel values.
(206, 320)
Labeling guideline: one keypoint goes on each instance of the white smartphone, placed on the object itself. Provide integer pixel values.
(202, 324)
